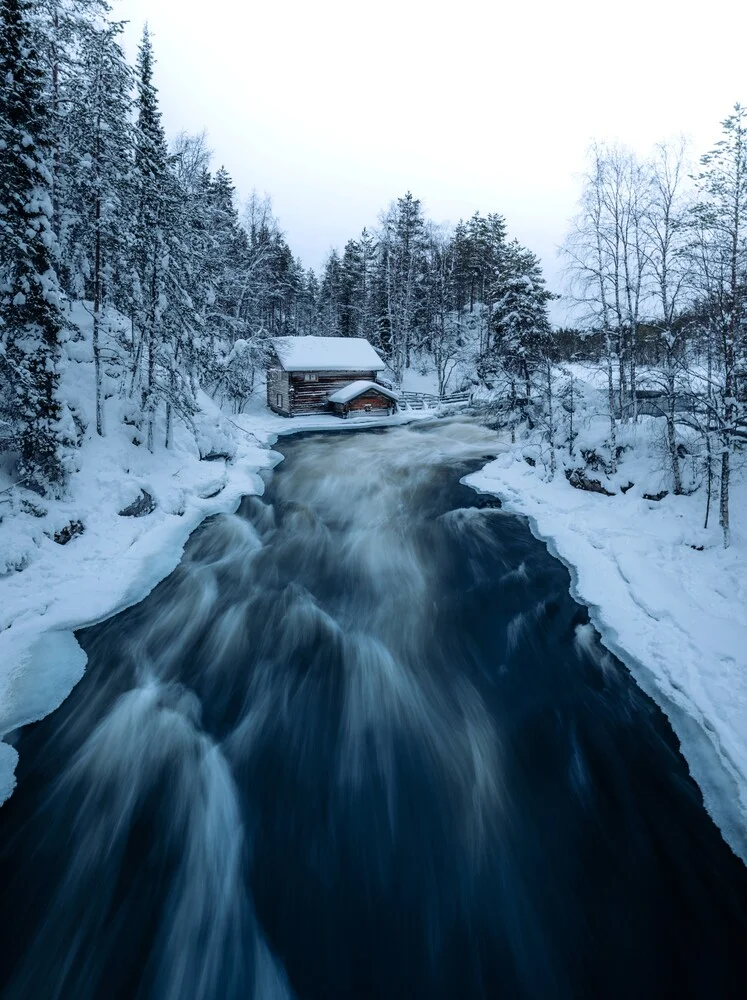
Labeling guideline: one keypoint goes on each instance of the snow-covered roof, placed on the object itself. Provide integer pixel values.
(328, 354)
(358, 387)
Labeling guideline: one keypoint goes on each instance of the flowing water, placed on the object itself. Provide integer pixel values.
(362, 744)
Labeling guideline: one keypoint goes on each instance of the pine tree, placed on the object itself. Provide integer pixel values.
(368, 249)
(30, 316)
(226, 255)
(98, 167)
(64, 27)
(330, 296)
(520, 322)
(446, 339)
(520, 316)
(150, 256)
(271, 273)
(403, 261)
(351, 289)
(722, 259)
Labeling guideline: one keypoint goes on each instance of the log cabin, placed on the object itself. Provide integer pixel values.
(306, 374)
(363, 396)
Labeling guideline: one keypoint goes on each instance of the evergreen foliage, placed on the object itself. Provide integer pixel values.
(31, 320)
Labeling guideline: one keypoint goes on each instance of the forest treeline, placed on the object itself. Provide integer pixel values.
(96, 206)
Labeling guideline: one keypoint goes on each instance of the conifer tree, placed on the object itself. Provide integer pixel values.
(169, 290)
(98, 190)
(226, 255)
(368, 254)
(403, 261)
(722, 259)
(308, 306)
(521, 324)
(31, 320)
(351, 289)
(330, 296)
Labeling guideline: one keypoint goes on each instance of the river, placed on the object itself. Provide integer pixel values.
(362, 743)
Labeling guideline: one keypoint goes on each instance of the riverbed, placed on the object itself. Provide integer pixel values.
(363, 743)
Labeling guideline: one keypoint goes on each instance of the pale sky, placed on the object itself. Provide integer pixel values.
(336, 108)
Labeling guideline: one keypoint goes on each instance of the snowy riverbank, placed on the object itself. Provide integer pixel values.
(114, 563)
(667, 599)
(47, 590)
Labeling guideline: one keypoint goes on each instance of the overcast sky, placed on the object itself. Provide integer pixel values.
(335, 107)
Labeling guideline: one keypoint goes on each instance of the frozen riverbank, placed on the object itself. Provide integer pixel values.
(667, 599)
(114, 563)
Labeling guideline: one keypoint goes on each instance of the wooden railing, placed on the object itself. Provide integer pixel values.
(429, 401)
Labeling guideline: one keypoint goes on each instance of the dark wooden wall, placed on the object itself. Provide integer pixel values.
(312, 397)
(373, 399)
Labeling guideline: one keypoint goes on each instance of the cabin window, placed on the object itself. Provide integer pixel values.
(368, 407)
(310, 377)
(279, 399)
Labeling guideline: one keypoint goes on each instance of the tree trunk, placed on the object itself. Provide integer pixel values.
(150, 391)
(97, 323)
(151, 407)
(622, 395)
(571, 411)
(723, 506)
(709, 480)
(633, 392)
(674, 458)
(56, 111)
(551, 421)
(611, 402)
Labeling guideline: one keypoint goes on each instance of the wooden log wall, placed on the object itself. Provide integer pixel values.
(374, 400)
(278, 391)
(313, 397)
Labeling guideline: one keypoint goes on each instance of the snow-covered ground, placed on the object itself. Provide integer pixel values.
(666, 597)
(48, 589)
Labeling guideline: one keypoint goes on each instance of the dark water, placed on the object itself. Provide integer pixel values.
(362, 743)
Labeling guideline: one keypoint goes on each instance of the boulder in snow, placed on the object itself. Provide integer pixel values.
(63, 536)
(145, 504)
(580, 481)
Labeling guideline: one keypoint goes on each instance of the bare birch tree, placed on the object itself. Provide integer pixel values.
(667, 224)
(592, 265)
